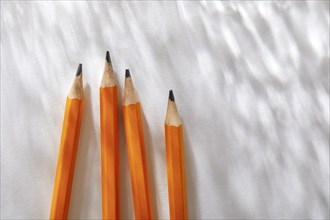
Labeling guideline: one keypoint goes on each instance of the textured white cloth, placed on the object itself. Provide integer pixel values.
(250, 79)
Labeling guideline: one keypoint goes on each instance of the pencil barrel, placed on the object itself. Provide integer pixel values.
(109, 152)
(137, 161)
(66, 158)
(176, 172)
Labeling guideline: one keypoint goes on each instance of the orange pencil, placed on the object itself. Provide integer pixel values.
(136, 151)
(109, 142)
(68, 149)
(175, 161)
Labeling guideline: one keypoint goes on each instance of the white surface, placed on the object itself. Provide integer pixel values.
(251, 83)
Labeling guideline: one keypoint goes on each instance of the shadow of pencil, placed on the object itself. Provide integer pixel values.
(192, 200)
(150, 166)
(81, 190)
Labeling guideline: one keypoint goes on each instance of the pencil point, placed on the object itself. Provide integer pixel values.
(107, 57)
(171, 96)
(79, 70)
(127, 73)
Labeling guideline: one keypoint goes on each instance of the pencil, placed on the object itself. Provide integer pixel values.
(109, 142)
(68, 149)
(175, 161)
(136, 151)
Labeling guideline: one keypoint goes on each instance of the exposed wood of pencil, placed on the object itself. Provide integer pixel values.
(109, 143)
(68, 149)
(175, 162)
(136, 152)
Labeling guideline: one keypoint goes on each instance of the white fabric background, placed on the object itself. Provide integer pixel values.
(250, 79)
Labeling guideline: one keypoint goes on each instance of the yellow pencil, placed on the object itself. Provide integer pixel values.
(109, 142)
(175, 161)
(136, 151)
(68, 149)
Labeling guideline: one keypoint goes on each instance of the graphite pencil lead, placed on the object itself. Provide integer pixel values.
(127, 73)
(107, 57)
(171, 96)
(79, 70)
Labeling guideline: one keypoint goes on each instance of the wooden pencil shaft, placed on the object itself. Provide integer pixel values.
(176, 172)
(66, 158)
(109, 152)
(137, 161)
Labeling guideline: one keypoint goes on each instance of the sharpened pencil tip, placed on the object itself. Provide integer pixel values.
(107, 57)
(171, 96)
(79, 70)
(127, 73)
